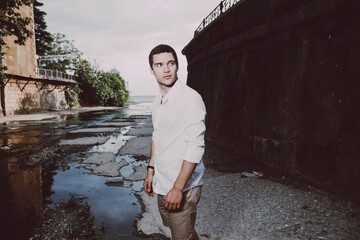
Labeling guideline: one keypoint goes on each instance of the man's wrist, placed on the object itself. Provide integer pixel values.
(150, 167)
(178, 188)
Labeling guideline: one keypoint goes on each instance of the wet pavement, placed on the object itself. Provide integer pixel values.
(44, 161)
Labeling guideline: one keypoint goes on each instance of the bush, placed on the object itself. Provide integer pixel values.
(100, 88)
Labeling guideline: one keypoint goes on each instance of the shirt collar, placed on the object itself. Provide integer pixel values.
(173, 92)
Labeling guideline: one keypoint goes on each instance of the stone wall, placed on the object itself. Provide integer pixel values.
(280, 80)
(31, 98)
(22, 97)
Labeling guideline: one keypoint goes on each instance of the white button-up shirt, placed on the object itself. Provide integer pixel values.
(179, 128)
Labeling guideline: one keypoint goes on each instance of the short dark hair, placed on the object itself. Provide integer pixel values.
(162, 48)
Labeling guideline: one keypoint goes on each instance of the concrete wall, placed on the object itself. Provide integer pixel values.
(281, 83)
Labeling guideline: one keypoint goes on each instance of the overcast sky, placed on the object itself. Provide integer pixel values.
(120, 33)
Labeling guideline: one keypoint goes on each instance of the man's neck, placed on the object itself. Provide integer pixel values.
(165, 89)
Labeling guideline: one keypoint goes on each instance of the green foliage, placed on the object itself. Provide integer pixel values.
(113, 92)
(72, 96)
(11, 21)
(43, 38)
(100, 88)
(60, 45)
(86, 77)
(12, 24)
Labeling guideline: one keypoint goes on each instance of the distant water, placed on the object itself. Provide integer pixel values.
(139, 105)
(142, 98)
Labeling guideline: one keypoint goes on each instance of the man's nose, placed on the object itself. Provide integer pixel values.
(166, 68)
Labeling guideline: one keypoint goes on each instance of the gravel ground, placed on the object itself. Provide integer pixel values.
(233, 207)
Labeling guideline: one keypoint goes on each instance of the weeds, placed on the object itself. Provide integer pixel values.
(70, 219)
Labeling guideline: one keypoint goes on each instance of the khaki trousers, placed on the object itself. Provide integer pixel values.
(182, 222)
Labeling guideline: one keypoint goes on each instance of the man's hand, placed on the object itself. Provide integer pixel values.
(148, 185)
(150, 173)
(173, 199)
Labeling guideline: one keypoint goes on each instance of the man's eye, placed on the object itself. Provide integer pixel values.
(172, 63)
(157, 64)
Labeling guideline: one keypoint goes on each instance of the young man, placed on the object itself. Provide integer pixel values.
(175, 167)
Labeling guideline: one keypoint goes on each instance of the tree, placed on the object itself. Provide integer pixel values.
(11, 21)
(100, 88)
(11, 24)
(64, 57)
(118, 94)
(42, 37)
(96, 87)
(86, 77)
(61, 46)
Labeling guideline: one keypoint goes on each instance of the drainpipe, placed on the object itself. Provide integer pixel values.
(2, 80)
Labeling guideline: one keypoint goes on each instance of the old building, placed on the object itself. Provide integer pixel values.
(28, 89)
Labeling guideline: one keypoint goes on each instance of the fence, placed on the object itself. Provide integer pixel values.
(53, 74)
(223, 7)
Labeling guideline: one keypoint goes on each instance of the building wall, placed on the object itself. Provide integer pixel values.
(23, 96)
(280, 80)
(21, 59)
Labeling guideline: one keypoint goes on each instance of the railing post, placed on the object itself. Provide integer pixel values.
(48, 73)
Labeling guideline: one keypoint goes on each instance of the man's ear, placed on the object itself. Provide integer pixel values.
(152, 71)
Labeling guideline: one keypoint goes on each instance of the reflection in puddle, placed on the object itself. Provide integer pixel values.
(112, 206)
(129, 169)
(21, 197)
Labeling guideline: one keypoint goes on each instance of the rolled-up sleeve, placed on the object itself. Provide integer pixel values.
(195, 131)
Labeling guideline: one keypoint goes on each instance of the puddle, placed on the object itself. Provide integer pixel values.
(27, 191)
(115, 142)
(112, 206)
(129, 169)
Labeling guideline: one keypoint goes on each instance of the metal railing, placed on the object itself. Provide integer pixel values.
(53, 74)
(224, 6)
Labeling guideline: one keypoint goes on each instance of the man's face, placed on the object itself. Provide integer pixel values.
(164, 69)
